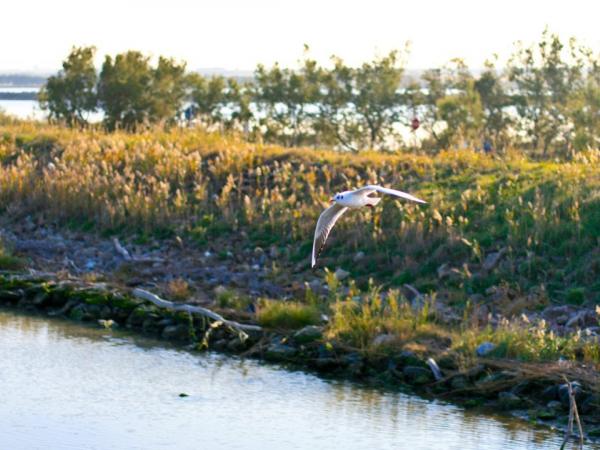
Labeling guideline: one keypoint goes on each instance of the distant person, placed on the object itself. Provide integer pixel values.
(487, 147)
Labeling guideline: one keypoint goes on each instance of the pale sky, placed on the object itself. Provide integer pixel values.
(237, 34)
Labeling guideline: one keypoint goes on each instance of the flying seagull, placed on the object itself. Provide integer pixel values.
(341, 203)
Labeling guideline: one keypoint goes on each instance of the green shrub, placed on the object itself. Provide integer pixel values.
(289, 315)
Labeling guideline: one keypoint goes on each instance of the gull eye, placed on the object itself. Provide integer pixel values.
(341, 196)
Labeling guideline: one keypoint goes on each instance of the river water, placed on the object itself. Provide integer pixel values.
(66, 386)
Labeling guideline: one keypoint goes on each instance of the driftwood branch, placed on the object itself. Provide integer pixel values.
(121, 250)
(128, 257)
(161, 303)
(573, 417)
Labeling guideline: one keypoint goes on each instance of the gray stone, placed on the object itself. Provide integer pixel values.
(308, 334)
(341, 274)
(458, 383)
(508, 400)
(591, 405)
(554, 405)
(280, 352)
(273, 252)
(492, 260)
(546, 414)
(550, 393)
(383, 339)
(359, 256)
(176, 332)
(417, 375)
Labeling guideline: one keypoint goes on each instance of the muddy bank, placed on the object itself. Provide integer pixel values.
(536, 392)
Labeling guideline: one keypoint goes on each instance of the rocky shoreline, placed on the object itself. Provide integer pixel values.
(535, 392)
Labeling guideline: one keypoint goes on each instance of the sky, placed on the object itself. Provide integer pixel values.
(237, 34)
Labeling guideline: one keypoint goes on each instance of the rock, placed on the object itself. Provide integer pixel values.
(354, 363)
(308, 334)
(236, 345)
(554, 405)
(485, 349)
(315, 285)
(550, 393)
(41, 299)
(417, 375)
(458, 383)
(341, 274)
(280, 352)
(492, 260)
(523, 388)
(11, 296)
(585, 318)
(383, 339)
(153, 326)
(176, 332)
(552, 313)
(594, 432)
(591, 405)
(448, 362)
(273, 252)
(451, 273)
(408, 358)
(359, 256)
(219, 344)
(508, 400)
(546, 414)
(80, 312)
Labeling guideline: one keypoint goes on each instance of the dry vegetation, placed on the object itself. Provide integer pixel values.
(225, 194)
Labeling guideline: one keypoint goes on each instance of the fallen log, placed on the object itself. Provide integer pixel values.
(162, 303)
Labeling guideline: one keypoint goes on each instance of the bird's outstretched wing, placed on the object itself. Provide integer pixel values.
(375, 188)
(326, 221)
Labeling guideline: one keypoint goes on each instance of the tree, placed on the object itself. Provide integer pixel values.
(336, 122)
(544, 80)
(286, 96)
(71, 94)
(460, 108)
(125, 91)
(494, 102)
(207, 97)
(584, 106)
(376, 98)
(359, 106)
(239, 99)
(168, 91)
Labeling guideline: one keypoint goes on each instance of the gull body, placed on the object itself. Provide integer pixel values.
(343, 201)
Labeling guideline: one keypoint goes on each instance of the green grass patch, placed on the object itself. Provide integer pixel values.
(288, 315)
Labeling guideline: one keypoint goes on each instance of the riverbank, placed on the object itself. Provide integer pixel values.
(495, 279)
(533, 391)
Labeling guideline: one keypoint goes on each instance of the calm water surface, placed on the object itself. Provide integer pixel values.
(64, 386)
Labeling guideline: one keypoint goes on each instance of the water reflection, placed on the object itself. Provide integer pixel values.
(66, 386)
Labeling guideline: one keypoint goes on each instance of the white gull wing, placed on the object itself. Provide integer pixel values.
(326, 221)
(375, 188)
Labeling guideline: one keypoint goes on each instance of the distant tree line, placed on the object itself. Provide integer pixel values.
(546, 99)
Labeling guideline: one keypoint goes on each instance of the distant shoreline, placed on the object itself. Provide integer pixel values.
(18, 95)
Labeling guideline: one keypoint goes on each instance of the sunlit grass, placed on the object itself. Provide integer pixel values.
(287, 315)
(209, 187)
(519, 339)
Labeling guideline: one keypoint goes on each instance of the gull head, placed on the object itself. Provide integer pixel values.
(337, 198)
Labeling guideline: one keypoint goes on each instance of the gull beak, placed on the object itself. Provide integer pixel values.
(332, 201)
